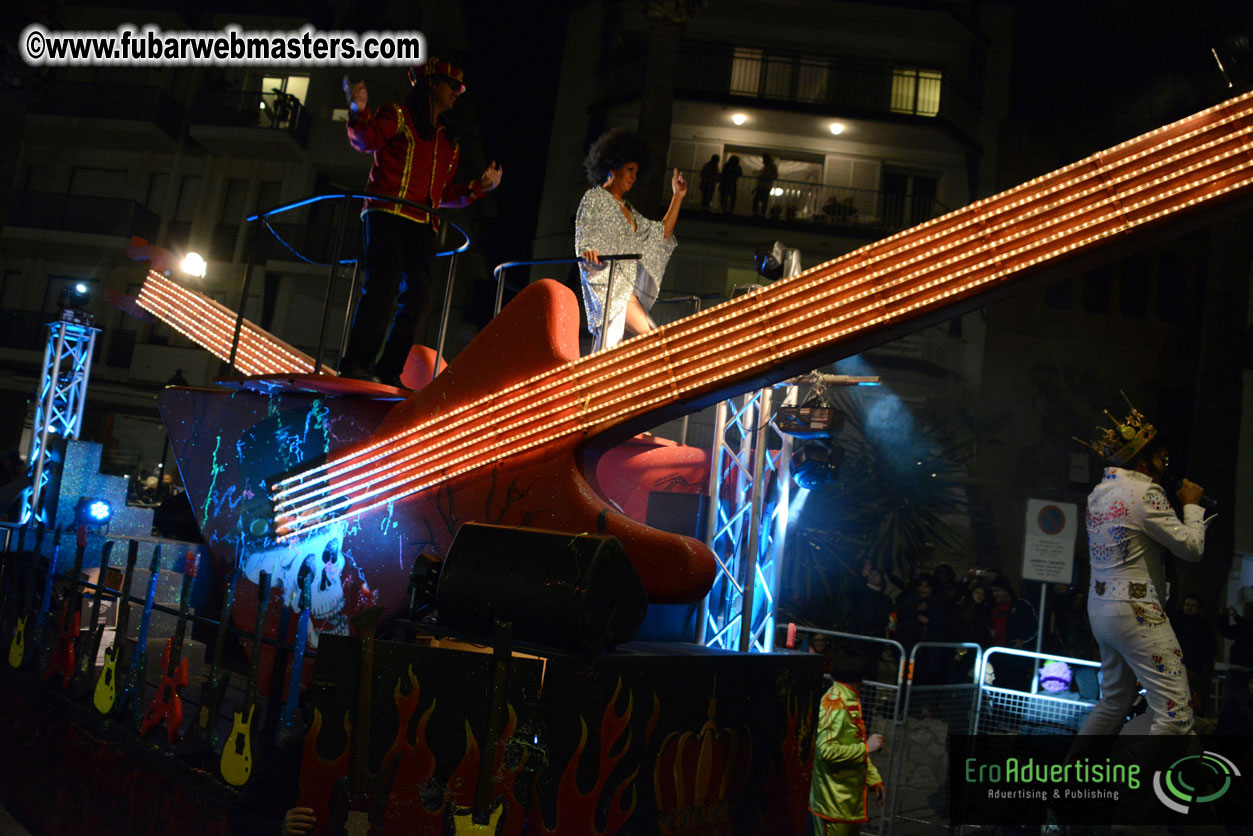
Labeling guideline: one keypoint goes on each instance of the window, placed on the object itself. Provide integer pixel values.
(1097, 288)
(282, 97)
(229, 220)
(746, 71)
(157, 185)
(10, 290)
(916, 91)
(185, 210)
(296, 86)
(908, 198)
(778, 76)
(98, 182)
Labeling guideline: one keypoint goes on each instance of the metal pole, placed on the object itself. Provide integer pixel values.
(336, 247)
(443, 317)
(500, 289)
(711, 507)
(1039, 638)
(604, 317)
(82, 390)
(243, 292)
(54, 367)
(760, 452)
(349, 308)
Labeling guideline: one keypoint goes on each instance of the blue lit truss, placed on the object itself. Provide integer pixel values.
(746, 524)
(59, 407)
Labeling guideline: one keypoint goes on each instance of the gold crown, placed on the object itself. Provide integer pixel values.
(1128, 437)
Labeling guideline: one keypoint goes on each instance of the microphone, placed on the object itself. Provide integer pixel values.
(1172, 483)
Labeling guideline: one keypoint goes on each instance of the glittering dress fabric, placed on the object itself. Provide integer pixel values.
(1129, 521)
(601, 226)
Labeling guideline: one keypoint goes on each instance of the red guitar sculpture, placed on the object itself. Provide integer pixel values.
(167, 706)
(504, 435)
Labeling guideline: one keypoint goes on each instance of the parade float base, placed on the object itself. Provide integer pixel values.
(664, 738)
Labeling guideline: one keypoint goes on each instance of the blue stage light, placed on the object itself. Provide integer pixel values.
(94, 512)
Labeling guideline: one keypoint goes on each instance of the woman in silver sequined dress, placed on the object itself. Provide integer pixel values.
(606, 223)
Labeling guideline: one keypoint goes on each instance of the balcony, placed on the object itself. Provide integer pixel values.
(83, 213)
(862, 213)
(117, 102)
(250, 123)
(847, 86)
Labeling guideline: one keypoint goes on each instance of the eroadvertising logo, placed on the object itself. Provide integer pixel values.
(1193, 780)
(1025, 778)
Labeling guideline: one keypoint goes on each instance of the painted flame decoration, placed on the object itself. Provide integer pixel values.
(576, 811)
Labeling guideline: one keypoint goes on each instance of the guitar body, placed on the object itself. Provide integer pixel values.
(17, 645)
(167, 706)
(64, 652)
(232, 446)
(236, 762)
(105, 695)
(463, 823)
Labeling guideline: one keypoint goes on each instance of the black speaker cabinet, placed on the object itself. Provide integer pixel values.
(575, 591)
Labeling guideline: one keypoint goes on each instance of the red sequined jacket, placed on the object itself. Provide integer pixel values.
(408, 166)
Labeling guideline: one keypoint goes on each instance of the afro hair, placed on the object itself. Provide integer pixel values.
(614, 149)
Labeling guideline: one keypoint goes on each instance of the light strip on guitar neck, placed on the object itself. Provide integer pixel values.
(250, 358)
(883, 282)
(212, 326)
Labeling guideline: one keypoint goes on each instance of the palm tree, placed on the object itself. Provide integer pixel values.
(902, 491)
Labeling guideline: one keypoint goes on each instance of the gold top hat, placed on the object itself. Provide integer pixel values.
(1128, 437)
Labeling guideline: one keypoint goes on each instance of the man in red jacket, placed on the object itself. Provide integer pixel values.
(415, 159)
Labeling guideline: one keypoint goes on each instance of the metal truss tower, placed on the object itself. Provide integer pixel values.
(59, 408)
(746, 523)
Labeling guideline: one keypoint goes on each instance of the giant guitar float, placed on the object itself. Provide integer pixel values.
(295, 464)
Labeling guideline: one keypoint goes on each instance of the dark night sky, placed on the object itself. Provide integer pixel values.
(1090, 74)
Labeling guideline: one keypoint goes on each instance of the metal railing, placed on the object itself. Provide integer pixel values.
(813, 205)
(261, 219)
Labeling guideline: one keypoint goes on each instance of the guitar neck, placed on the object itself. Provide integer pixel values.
(359, 762)
(219, 639)
(211, 325)
(258, 637)
(180, 630)
(763, 336)
(124, 600)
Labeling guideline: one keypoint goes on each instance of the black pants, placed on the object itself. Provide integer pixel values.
(400, 267)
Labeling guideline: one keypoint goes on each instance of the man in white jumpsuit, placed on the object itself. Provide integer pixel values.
(1129, 521)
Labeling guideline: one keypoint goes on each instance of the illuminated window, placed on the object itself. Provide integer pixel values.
(916, 91)
(746, 67)
(776, 76)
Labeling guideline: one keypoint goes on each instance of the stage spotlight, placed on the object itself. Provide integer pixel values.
(816, 463)
(71, 300)
(775, 261)
(813, 420)
(194, 265)
(93, 512)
